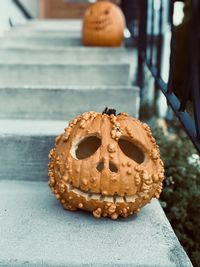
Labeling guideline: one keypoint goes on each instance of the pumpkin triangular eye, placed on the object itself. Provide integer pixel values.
(87, 147)
(112, 167)
(100, 166)
(131, 150)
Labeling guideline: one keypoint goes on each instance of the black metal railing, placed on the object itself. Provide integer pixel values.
(182, 96)
(23, 10)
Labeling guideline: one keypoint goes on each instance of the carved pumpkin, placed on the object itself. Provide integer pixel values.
(103, 25)
(107, 164)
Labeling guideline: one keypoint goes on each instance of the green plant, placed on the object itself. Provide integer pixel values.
(181, 193)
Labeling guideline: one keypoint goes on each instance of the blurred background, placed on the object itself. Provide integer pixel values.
(162, 49)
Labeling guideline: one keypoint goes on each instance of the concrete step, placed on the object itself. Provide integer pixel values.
(26, 41)
(62, 55)
(51, 25)
(36, 231)
(59, 103)
(64, 74)
(24, 148)
(25, 145)
(29, 32)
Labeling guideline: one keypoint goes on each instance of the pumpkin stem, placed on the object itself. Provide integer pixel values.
(109, 111)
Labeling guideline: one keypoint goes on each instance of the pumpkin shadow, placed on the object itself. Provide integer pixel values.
(56, 206)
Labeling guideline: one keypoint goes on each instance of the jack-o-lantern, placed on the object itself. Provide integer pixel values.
(107, 164)
(103, 25)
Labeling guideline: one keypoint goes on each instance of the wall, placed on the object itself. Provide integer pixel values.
(32, 6)
(62, 9)
(9, 10)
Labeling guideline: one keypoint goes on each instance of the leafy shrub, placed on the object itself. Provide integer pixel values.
(181, 194)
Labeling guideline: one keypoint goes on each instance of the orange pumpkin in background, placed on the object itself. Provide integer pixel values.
(103, 25)
(107, 164)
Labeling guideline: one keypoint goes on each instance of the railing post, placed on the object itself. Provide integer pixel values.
(194, 53)
(24, 11)
(159, 45)
(142, 40)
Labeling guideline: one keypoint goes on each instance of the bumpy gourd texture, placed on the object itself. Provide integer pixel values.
(103, 25)
(107, 164)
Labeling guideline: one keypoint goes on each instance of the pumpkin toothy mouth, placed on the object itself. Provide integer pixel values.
(99, 24)
(99, 197)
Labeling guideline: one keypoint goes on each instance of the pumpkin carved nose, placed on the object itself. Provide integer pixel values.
(100, 166)
(112, 167)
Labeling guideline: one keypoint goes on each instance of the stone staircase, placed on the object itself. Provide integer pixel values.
(46, 78)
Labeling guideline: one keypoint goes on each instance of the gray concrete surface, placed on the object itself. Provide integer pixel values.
(66, 102)
(25, 146)
(20, 31)
(52, 24)
(33, 6)
(9, 11)
(36, 231)
(29, 32)
(62, 55)
(44, 33)
(12, 128)
(41, 41)
(64, 74)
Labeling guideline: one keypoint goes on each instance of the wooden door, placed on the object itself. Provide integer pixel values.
(61, 9)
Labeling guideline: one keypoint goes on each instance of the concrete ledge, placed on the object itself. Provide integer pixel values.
(30, 32)
(25, 146)
(66, 102)
(63, 55)
(36, 231)
(41, 41)
(64, 74)
(51, 24)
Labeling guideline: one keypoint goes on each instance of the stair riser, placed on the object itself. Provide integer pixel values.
(64, 104)
(61, 56)
(25, 157)
(60, 75)
(41, 33)
(42, 41)
(51, 25)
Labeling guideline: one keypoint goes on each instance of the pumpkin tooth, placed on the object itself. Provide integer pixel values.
(108, 199)
(130, 199)
(119, 199)
(95, 196)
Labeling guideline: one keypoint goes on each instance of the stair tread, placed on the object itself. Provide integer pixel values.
(65, 102)
(67, 64)
(42, 41)
(31, 127)
(70, 54)
(37, 231)
(70, 49)
(71, 87)
(61, 74)
(42, 24)
(47, 33)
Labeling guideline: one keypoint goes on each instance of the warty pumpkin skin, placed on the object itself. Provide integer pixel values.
(106, 164)
(103, 25)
